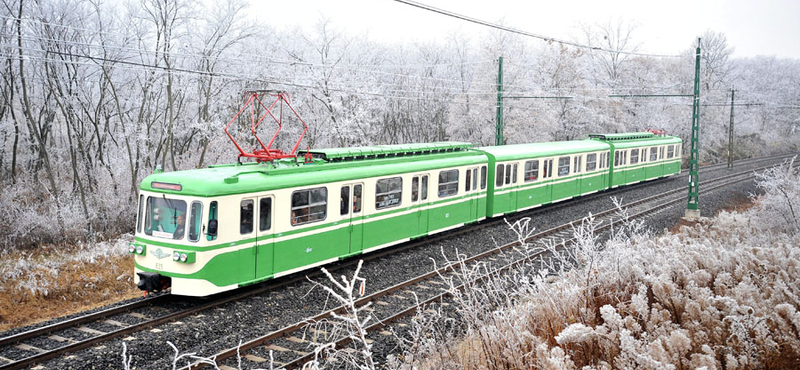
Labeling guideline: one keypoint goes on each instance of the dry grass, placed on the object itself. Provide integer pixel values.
(85, 285)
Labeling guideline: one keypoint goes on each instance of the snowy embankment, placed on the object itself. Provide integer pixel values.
(39, 275)
(53, 281)
(721, 294)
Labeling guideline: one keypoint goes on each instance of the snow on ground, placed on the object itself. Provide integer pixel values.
(37, 271)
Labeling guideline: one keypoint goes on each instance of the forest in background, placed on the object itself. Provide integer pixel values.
(96, 94)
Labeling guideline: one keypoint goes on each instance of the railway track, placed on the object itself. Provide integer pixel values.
(55, 340)
(289, 346)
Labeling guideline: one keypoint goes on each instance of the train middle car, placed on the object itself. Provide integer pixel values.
(200, 232)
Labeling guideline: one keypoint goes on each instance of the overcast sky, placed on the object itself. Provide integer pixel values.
(767, 27)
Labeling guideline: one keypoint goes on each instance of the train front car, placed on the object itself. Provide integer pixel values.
(176, 234)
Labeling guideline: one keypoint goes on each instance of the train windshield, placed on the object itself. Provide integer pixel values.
(165, 218)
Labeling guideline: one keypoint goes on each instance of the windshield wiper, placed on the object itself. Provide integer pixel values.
(171, 208)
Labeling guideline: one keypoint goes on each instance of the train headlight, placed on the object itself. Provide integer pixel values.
(139, 249)
(184, 257)
(131, 248)
(176, 256)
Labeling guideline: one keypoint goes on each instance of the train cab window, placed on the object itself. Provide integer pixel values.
(344, 200)
(563, 166)
(514, 174)
(653, 154)
(634, 156)
(531, 171)
(577, 163)
(388, 192)
(498, 175)
(591, 162)
(508, 174)
(474, 178)
(424, 187)
(265, 214)
(246, 217)
(469, 181)
(139, 215)
(483, 177)
(448, 183)
(415, 188)
(309, 205)
(212, 221)
(670, 151)
(165, 218)
(357, 198)
(195, 220)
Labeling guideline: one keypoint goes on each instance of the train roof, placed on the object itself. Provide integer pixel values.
(654, 140)
(231, 179)
(533, 150)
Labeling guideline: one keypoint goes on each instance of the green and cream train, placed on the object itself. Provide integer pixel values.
(205, 231)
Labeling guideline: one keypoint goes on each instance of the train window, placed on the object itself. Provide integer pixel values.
(474, 178)
(265, 214)
(139, 215)
(661, 152)
(212, 219)
(309, 205)
(602, 163)
(547, 168)
(165, 218)
(424, 187)
(591, 162)
(357, 198)
(483, 177)
(448, 183)
(576, 163)
(514, 174)
(643, 155)
(344, 200)
(531, 171)
(563, 166)
(508, 174)
(608, 159)
(670, 151)
(469, 181)
(246, 217)
(653, 154)
(617, 156)
(498, 175)
(634, 156)
(415, 188)
(388, 192)
(195, 220)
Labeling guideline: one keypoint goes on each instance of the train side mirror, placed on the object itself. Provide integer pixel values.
(212, 227)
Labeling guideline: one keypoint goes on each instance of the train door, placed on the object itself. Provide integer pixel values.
(419, 200)
(265, 236)
(511, 181)
(350, 204)
(471, 188)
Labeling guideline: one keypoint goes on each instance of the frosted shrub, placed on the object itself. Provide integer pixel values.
(781, 202)
(721, 294)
